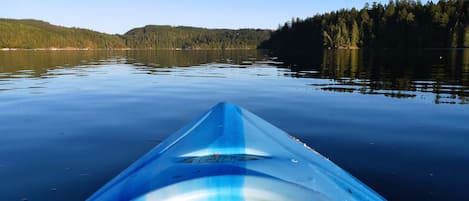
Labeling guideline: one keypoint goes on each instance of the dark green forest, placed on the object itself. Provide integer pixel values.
(164, 37)
(397, 24)
(29, 34)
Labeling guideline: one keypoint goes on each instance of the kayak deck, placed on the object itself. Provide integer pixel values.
(231, 154)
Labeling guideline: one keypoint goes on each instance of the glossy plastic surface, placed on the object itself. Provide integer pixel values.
(231, 154)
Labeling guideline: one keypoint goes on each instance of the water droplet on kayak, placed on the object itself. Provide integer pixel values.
(53, 189)
(294, 160)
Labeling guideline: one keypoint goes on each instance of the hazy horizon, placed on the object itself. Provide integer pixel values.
(118, 16)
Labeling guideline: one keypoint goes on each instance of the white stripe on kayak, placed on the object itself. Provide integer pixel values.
(225, 151)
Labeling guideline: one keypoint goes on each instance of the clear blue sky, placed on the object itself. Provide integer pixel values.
(118, 16)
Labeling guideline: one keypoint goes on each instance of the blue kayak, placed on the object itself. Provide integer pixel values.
(230, 154)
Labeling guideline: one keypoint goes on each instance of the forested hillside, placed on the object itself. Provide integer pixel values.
(164, 37)
(29, 34)
(33, 34)
(398, 24)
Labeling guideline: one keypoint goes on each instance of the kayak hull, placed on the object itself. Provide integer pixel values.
(231, 154)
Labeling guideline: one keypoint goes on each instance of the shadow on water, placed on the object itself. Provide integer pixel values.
(392, 73)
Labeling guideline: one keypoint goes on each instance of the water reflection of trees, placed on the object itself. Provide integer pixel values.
(38, 63)
(444, 73)
(392, 73)
(151, 58)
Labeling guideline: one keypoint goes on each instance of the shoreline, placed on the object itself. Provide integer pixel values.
(117, 49)
(206, 49)
(56, 49)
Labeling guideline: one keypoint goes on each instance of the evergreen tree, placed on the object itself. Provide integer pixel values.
(397, 24)
(355, 37)
(466, 36)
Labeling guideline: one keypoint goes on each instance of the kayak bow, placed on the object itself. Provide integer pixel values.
(231, 154)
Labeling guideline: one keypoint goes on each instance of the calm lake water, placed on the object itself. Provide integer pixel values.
(72, 120)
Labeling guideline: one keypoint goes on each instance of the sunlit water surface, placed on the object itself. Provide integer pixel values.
(72, 120)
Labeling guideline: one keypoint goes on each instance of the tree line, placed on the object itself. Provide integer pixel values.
(397, 24)
(32, 34)
(163, 37)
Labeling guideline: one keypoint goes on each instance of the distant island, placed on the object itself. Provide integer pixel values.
(398, 24)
